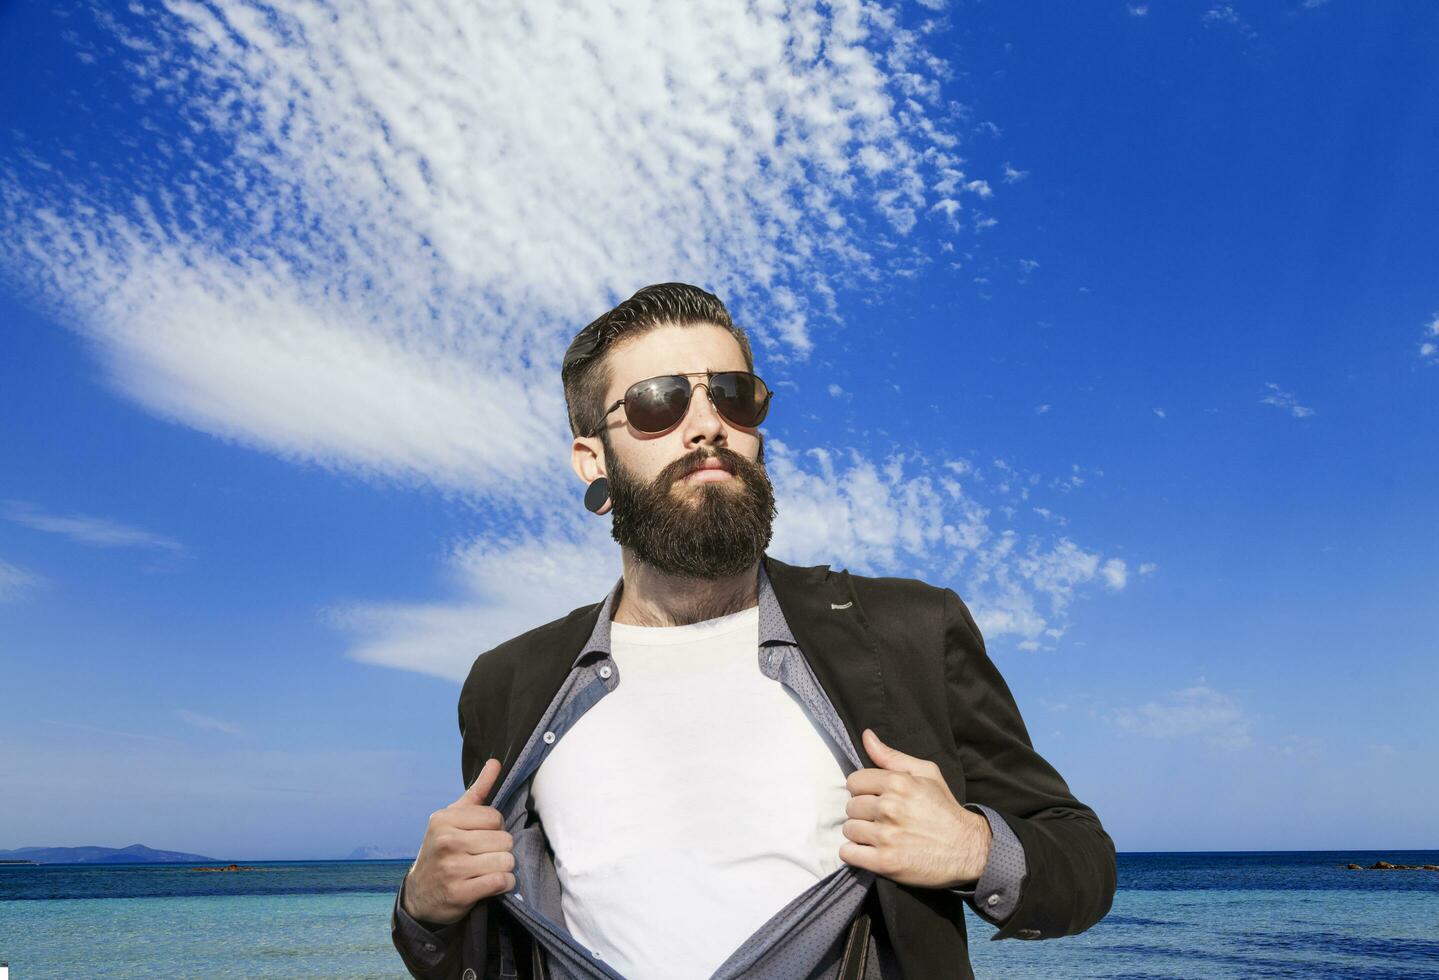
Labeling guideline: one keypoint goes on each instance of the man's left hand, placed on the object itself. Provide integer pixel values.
(906, 825)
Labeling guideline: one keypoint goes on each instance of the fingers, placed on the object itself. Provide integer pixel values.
(472, 890)
(862, 832)
(864, 808)
(875, 781)
(463, 867)
(470, 817)
(482, 785)
(463, 843)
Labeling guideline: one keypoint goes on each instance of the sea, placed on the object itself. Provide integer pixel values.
(1249, 914)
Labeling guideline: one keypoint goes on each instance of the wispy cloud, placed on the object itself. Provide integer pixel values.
(207, 723)
(1227, 15)
(1429, 346)
(906, 516)
(1138, 9)
(94, 532)
(404, 216)
(16, 582)
(1285, 400)
(111, 732)
(1198, 711)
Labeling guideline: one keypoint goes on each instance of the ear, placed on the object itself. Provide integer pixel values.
(587, 458)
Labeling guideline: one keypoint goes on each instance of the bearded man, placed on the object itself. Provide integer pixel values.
(732, 767)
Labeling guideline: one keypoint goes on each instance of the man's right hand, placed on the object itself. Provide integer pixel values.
(466, 856)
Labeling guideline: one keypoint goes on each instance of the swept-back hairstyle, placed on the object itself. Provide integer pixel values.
(586, 373)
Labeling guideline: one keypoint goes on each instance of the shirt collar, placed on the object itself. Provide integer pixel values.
(772, 625)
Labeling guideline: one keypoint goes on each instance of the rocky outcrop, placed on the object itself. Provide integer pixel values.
(1386, 866)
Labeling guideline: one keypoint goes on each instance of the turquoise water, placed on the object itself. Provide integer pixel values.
(1295, 914)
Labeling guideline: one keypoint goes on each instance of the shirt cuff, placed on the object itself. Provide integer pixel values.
(426, 943)
(996, 893)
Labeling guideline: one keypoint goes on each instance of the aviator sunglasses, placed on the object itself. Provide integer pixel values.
(655, 404)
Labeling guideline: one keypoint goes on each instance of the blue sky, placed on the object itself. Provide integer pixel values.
(1120, 319)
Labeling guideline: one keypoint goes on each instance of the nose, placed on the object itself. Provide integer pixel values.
(703, 422)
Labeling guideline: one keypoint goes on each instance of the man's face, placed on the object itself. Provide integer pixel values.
(698, 523)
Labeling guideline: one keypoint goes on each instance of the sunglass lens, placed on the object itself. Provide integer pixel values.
(657, 404)
(740, 396)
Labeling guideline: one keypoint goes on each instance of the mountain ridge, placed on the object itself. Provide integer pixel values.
(94, 854)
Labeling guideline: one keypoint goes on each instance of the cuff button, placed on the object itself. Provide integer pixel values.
(992, 900)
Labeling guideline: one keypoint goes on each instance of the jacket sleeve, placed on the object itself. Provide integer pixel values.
(432, 953)
(429, 952)
(1070, 873)
(997, 891)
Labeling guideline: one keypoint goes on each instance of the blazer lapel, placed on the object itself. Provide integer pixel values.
(540, 673)
(830, 627)
(833, 635)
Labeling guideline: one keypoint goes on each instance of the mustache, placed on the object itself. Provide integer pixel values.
(689, 463)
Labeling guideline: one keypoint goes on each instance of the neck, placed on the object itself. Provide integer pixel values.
(650, 597)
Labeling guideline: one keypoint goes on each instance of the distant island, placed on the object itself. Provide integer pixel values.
(375, 853)
(140, 854)
(134, 854)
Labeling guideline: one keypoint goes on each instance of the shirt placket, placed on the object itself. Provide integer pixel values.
(583, 688)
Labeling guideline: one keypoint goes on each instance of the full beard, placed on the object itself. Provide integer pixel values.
(705, 530)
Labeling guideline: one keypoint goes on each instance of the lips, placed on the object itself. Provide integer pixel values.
(709, 470)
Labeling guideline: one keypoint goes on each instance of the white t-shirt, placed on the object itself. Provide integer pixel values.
(690, 804)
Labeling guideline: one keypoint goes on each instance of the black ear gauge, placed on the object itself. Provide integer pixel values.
(596, 494)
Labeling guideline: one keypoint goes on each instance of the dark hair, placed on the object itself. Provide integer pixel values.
(585, 373)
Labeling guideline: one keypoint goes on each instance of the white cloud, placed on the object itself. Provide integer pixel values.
(1041, 409)
(396, 220)
(1226, 14)
(1147, 568)
(96, 532)
(392, 223)
(505, 587)
(1159, 412)
(206, 722)
(1428, 348)
(1222, 13)
(905, 516)
(1198, 711)
(1138, 9)
(1285, 400)
(1115, 572)
(15, 581)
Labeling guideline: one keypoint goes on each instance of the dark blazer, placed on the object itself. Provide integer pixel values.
(904, 658)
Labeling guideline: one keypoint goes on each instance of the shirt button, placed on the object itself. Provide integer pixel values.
(431, 947)
(993, 900)
(549, 738)
(469, 974)
(519, 897)
(605, 671)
